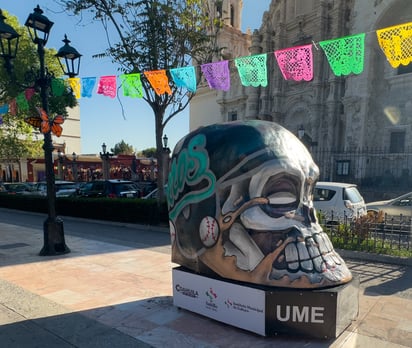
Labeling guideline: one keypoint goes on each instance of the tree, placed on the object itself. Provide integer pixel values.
(151, 35)
(148, 153)
(16, 136)
(123, 149)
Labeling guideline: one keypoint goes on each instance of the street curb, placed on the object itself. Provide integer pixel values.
(364, 256)
(158, 228)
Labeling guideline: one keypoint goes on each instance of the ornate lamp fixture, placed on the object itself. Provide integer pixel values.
(71, 58)
(165, 141)
(9, 42)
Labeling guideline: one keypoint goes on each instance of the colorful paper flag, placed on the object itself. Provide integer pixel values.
(217, 74)
(21, 101)
(396, 43)
(296, 63)
(88, 84)
(159, 81)
(132, 85)
(253, 70)
(185, 77)
(4, 109)
(57, 87)
(29, 92)
(74, 83)
(107, 86)
(345, 55)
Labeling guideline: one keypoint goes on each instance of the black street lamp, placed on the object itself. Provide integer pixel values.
(165, 159)
(305, 138)
(105, 156)
(165, 141)
(301, 132)
(9, 41)
(71, 58)
(39, 29)
(74, 166)
(60, 163)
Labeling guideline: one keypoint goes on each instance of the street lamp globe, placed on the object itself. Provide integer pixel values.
(301, 132)
(9, 42)
(165, 141)
(38, 23)
(71, 58)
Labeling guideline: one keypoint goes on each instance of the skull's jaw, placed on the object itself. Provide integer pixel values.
(312, 257)
(284, 267)
(311, 263)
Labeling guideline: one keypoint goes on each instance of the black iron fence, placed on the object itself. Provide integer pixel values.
(378, 171)
(375, 234)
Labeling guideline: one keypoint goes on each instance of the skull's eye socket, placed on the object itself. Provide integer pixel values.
(283, 195)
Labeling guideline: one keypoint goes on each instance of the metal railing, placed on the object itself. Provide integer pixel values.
(372, 233)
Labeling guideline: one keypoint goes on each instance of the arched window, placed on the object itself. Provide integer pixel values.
(232, 15)
(219, 9)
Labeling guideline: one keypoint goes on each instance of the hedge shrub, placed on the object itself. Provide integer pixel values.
(143, 211)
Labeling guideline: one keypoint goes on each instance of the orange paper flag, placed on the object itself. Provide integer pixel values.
(159, 81)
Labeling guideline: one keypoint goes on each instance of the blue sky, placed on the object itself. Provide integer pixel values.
(101, 117)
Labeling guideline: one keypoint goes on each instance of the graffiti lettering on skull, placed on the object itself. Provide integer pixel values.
(191, 167)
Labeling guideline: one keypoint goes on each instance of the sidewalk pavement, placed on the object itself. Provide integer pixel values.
(108, 295)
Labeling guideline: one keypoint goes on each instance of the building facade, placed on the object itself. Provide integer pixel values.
(357, 126)
(206, 108)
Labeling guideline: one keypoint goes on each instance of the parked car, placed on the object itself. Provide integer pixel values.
(401, 205)
(63, 188)
(146, 187)
(110, 188)
(17, 188)
(152, 194)
(2, 188)
(337, 201)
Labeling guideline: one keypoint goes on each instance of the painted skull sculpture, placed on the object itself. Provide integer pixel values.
(240, 206)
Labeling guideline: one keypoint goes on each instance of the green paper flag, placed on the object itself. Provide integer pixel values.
(345, 55)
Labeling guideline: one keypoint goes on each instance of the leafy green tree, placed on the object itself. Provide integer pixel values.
(150, 35)
(17, 138)
(148, 153)
(123, 148)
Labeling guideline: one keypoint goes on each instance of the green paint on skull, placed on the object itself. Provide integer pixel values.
(189, 168)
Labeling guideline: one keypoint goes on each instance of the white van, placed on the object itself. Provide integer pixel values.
(337, 201)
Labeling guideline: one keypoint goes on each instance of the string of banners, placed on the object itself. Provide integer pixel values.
(345, 56)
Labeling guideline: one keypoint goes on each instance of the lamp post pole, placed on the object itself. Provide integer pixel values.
(60, 167)
(166, 159)
(105, 156)
(53, 230)
(74, 167)
(39, 28)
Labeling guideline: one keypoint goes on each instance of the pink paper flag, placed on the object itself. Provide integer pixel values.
(29, 92)
(296, 63)
(107, 86)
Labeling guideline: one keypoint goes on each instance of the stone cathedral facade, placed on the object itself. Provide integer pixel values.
(337, 117)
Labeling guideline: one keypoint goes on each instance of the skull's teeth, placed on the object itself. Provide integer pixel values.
(321, 243)
(314, 254)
